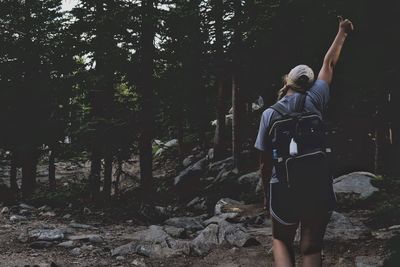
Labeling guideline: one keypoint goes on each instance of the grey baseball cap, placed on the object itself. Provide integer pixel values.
(301, 75)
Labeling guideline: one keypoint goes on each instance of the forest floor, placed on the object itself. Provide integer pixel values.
(114, 224)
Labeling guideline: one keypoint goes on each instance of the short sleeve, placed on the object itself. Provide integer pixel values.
(319, 94)
(262, 142)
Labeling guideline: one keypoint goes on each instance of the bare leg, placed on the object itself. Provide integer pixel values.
(312, 234)
(282, 243)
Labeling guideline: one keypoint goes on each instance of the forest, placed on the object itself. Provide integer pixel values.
(134, 113)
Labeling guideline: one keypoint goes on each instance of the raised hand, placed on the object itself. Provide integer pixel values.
(345, 25)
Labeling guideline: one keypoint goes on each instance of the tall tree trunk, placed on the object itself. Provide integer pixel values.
(52, 168)
(236, 96)
(180, 133)
(146, 95)
(29, 161)
(220, 128)
(95, 169)
(118, 177)
(108, 160)
(13, 172)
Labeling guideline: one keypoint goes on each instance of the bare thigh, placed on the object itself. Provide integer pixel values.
(313, 229)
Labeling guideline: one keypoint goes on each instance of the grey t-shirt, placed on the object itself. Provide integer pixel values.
(316, 101)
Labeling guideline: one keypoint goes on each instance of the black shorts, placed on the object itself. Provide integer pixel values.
(289, 203)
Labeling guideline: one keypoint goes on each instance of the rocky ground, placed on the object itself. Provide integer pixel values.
(201, 227)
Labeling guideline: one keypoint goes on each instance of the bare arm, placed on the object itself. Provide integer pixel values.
(266, 172)
(332, 56)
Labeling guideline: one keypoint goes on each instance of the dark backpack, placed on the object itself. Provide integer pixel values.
(307, 172)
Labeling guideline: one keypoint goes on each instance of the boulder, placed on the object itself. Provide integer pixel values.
(17, 218)
(342, 227)
(198, 203)
(356, 185)
(190, 224)
(189, 160)
(46, 234)
(215, 168)
(369, 261)
(206, 240)
(235, 235)
(173, 231)
(249, 181)
(166, 147)
(153, 242)
(188, 180)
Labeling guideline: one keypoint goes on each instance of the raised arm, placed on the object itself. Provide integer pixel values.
(332, 56)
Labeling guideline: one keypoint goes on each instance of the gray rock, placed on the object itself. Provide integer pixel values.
(356, 184)
(174, 231)
(138, 263)
(87, 247)
(191, 174)
(26, 206)
(44, 208)
(198, 203)
(235, 235)
(67, 216)
(172, 143)
(189, 160)
(341, 227)
(369, 261)
(220, 218)
(76, 252)
(48, 214)
(249, 182)
(206, 240)
(4, 210)
(41, 244)
(166, 146)
(46, 234)
(387, 233)
(67, 244)
(93, 238)
(215, 168)
(153, 242)
(82, 226)
(154, 233)
(17, 218)
(120, 258)
(223, 202)
(190, 224)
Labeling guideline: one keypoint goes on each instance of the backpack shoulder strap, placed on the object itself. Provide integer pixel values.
(280, 109)
(300, 102)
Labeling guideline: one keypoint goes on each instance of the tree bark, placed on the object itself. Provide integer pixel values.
(220, 128)
(146, 95)
(108, 160)
(236, 96)
(13, 172)
(52, 169)
(29, 161)
(95, 169)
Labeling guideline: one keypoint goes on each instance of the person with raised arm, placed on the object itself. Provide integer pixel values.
(300, 93)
